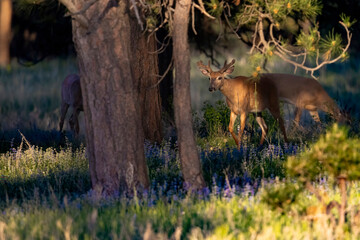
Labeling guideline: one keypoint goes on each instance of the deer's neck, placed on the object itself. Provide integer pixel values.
(227, 87)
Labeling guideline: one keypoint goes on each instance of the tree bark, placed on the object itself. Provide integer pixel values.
(145, 68)
(189, 156)
(5, 31)
(114, 134)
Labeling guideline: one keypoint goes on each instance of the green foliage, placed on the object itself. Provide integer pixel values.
(308, 40)
(281, 195)
(335, 154)
(331, 45)
(152, 14)
(347, 21)
(256, 61)
(308, 8)
(215, 118)
(278, 9)
(215, 7)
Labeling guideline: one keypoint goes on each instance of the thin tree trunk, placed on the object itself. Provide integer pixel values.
(189, 156)
(5, 31)
(114, 132)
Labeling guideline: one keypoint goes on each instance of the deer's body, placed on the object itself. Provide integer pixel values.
(245, 96)
(71, 96)
(304, 93)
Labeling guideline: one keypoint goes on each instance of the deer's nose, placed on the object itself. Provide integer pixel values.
(211, 89)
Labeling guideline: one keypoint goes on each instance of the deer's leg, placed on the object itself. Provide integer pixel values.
(282, 127)
(71, 122)
(260, 120)
(74, 121)
(64, 108)
(297, 113)
(315, 115)
(242, 126)
(231, 127)
(275, 111)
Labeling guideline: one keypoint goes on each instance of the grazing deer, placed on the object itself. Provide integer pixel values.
(71, 96)
(244, 96)
(304, 93)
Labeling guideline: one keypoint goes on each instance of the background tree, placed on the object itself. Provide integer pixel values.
(88, 47)
(5, 31)
(189, 156)
(115, 139)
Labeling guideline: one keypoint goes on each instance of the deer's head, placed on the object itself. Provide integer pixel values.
(216, 78)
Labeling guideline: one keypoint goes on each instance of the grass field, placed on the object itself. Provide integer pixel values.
(45, 189)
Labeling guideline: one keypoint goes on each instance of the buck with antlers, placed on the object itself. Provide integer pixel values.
(244, 96)
(304, 93)
(71, 96)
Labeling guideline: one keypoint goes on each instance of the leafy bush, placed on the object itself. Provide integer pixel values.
(281, 195)
(335, 155)
(215, 118)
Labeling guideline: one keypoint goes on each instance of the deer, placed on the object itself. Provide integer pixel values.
(305, 94)
(71, 96)
(243, 96)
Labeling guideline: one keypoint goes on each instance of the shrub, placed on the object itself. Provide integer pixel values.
(215, 118)
(335, 155)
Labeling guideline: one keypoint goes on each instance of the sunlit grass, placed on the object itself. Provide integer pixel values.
(221, 212)
(47, 195)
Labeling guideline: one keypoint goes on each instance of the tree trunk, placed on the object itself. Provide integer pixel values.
(189, 156)
(5, 31)
(145, 68)
(114, 135)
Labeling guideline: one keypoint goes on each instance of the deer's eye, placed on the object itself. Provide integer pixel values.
(219, 78)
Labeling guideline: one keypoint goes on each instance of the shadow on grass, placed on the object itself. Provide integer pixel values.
(37, 137)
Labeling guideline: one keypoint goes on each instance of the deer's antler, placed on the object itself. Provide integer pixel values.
(227, 66)
(202, 66)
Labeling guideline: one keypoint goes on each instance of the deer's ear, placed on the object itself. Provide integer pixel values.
(205, 72)
(229, 70)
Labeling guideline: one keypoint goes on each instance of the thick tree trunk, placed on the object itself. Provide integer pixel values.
(114, 135)
(189, 156)
(145, 68)
(5, 31)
